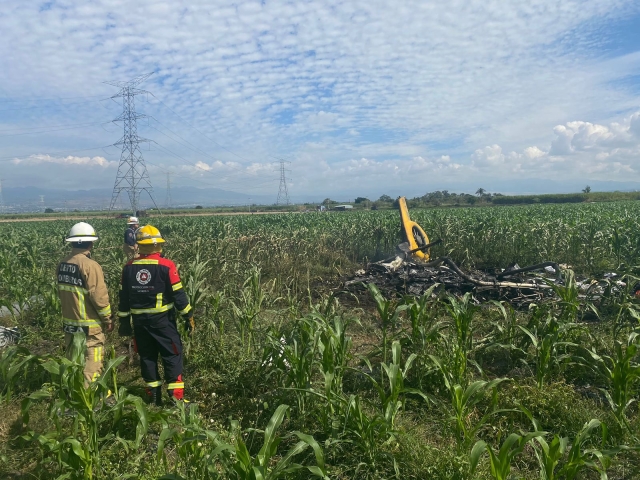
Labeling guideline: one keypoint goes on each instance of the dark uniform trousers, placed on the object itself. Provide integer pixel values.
(160, 339)
(152, 295)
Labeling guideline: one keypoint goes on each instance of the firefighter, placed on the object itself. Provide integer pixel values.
(129, 247)
(84, 299)
(152, 295)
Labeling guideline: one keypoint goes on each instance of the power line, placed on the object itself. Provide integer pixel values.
(48, 126)
(1, 198)
(132, 175)
(238, 171)
(186, 143)
(12, 157)
(44, 99)
(43, 106)
(242, 183)
(54, 129)
(205, 136)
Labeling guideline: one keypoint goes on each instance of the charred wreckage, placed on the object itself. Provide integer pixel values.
(412, 271)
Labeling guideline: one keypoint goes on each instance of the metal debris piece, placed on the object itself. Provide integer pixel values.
(403, 275)
(8, 336)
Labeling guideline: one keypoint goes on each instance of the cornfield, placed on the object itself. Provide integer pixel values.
(290, 377)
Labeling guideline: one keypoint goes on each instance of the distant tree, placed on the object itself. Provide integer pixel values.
(480, 192)
(374, 206)
(361, 199)
(471, 200)
(198, 207)
(586, 189)
(327, 201)
(48, 210)
(385, 198)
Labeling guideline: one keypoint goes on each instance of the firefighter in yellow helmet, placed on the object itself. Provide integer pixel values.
(152, 295)
(84, 299)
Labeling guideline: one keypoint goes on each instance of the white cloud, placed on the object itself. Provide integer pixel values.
(66, 161)
(366, 88)
(580, 148)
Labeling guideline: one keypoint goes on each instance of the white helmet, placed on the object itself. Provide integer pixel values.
(132, 221)
(82, 232)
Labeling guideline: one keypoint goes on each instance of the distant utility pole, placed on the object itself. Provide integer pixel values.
(42, 202)
(283, 192)
(168, 200)
(1, 198)
(132, 174)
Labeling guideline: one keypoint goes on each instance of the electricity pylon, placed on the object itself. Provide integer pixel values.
(132, 176)
(168, 200)
(283, 192)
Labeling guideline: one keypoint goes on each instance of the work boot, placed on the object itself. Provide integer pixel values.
(176, 389)
(154, 396)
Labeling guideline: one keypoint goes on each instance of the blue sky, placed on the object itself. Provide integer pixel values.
(363, 97)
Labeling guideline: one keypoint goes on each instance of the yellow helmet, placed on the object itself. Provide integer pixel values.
(148, 235)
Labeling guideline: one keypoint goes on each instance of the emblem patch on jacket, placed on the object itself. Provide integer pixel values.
(143, 276)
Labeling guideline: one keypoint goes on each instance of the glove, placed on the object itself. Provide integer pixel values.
(124, 329)
(189, 324)
(108, 324)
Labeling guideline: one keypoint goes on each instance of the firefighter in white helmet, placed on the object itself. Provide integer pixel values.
(130, 247)
(84, 299)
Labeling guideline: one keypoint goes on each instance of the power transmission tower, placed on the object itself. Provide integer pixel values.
(283, 192)
(132, 174)
(168, 200)
(42, 202)
(1, 198)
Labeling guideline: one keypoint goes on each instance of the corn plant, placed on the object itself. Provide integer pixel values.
(197, 279)
(461, 313)
(299, 358)
(15, 361)
(463, 402)
(240, 465)
(192, 442)
(79, 450)
(214, 328)
(334, 349)
(425, 330)
(392, 399)
(501, 460)
(551, 456)
(368, 434)
(389, 313)
(250, 304)
(627, 311)
(546, 344)
(620, 373)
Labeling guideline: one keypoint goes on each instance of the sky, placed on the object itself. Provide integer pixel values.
(363, 98)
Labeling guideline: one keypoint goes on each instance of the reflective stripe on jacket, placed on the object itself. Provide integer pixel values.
(82, 291)
(151, 289)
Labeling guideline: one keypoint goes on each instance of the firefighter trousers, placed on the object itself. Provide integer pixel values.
(130, 251)
(94, 352)
(160, 338)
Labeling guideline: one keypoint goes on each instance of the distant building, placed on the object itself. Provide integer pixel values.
(342, 208)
